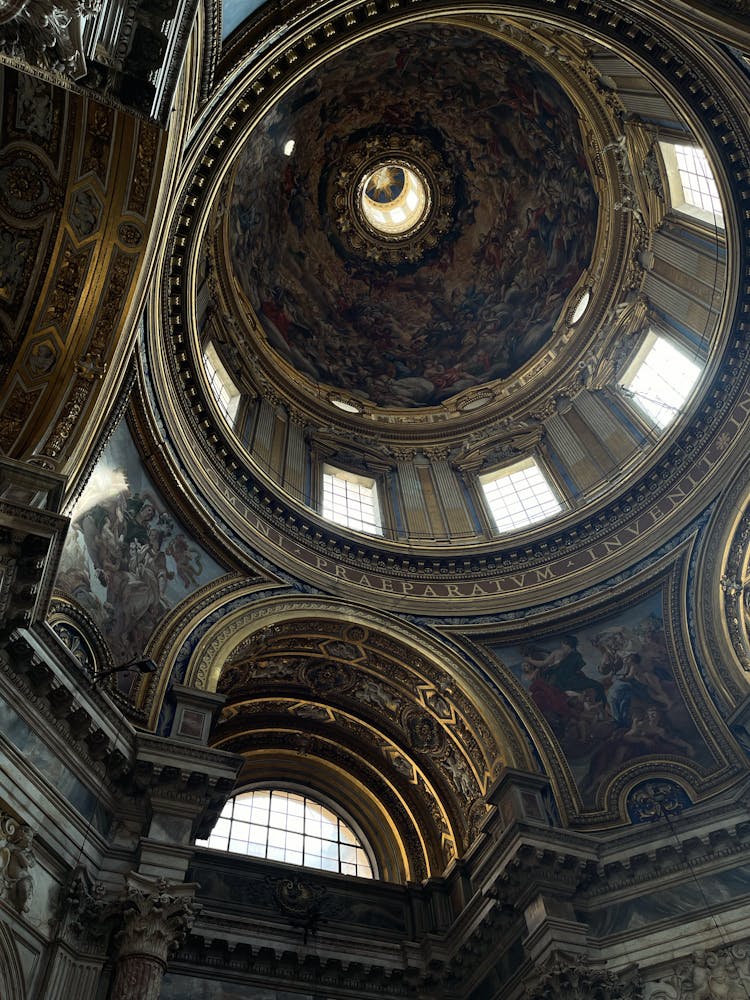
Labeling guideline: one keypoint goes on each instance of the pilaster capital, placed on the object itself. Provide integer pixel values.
(574, 977)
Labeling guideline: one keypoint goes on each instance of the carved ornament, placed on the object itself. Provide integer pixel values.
(706, 975)
(575, 978)
(156, 916)
(16, 861)
(47, 33)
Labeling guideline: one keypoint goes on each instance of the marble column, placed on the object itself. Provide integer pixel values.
(156, 915)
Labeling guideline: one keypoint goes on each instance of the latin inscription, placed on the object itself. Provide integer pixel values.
(557, 569)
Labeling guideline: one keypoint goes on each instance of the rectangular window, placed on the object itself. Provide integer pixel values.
(660, 379)
(519, 495)
(692, 187)
(351, 500)
(225, 392)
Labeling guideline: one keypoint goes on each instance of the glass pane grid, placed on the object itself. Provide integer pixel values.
(351, 504)
(663, 382)
(224, 392)
(286, 826)
(518, 497)
(698, 184)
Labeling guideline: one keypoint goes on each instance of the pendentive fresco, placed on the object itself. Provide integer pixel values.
(126, 560)
(609, 693)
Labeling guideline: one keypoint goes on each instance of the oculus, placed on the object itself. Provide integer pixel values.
(394, 198)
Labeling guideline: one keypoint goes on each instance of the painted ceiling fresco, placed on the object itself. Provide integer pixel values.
(610, 694)
(485, 299)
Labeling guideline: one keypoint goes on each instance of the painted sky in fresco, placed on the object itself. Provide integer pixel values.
(126, 560)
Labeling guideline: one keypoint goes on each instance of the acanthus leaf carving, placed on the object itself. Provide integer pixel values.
(574, 977)
(156, 916)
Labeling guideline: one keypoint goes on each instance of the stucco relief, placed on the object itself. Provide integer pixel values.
(47, 33)
(16, 862)
(722, 974)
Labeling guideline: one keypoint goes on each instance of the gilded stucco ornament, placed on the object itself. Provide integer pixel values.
(398, 156)
(734, 588)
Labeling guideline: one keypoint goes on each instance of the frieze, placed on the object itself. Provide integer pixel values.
(207, 948)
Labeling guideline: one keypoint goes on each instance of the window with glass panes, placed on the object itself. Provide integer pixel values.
(224, 390)
(698, 184)
(693, 189)
(519, 495)
(351, 500)
(288, 826)
(661, 380)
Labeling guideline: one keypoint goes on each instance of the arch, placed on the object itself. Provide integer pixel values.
(356, 704)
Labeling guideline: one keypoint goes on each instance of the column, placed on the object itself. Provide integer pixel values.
(156, 917)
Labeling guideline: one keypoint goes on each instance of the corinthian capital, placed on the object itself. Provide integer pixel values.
(156, 916)
(571, 977)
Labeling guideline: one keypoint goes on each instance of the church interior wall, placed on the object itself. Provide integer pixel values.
(539, 734)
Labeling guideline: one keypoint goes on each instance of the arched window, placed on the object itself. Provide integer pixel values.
(282, 825)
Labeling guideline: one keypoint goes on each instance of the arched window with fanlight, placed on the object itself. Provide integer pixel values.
(292, 826)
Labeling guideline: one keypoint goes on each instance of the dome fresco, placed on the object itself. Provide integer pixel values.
(520, 228)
